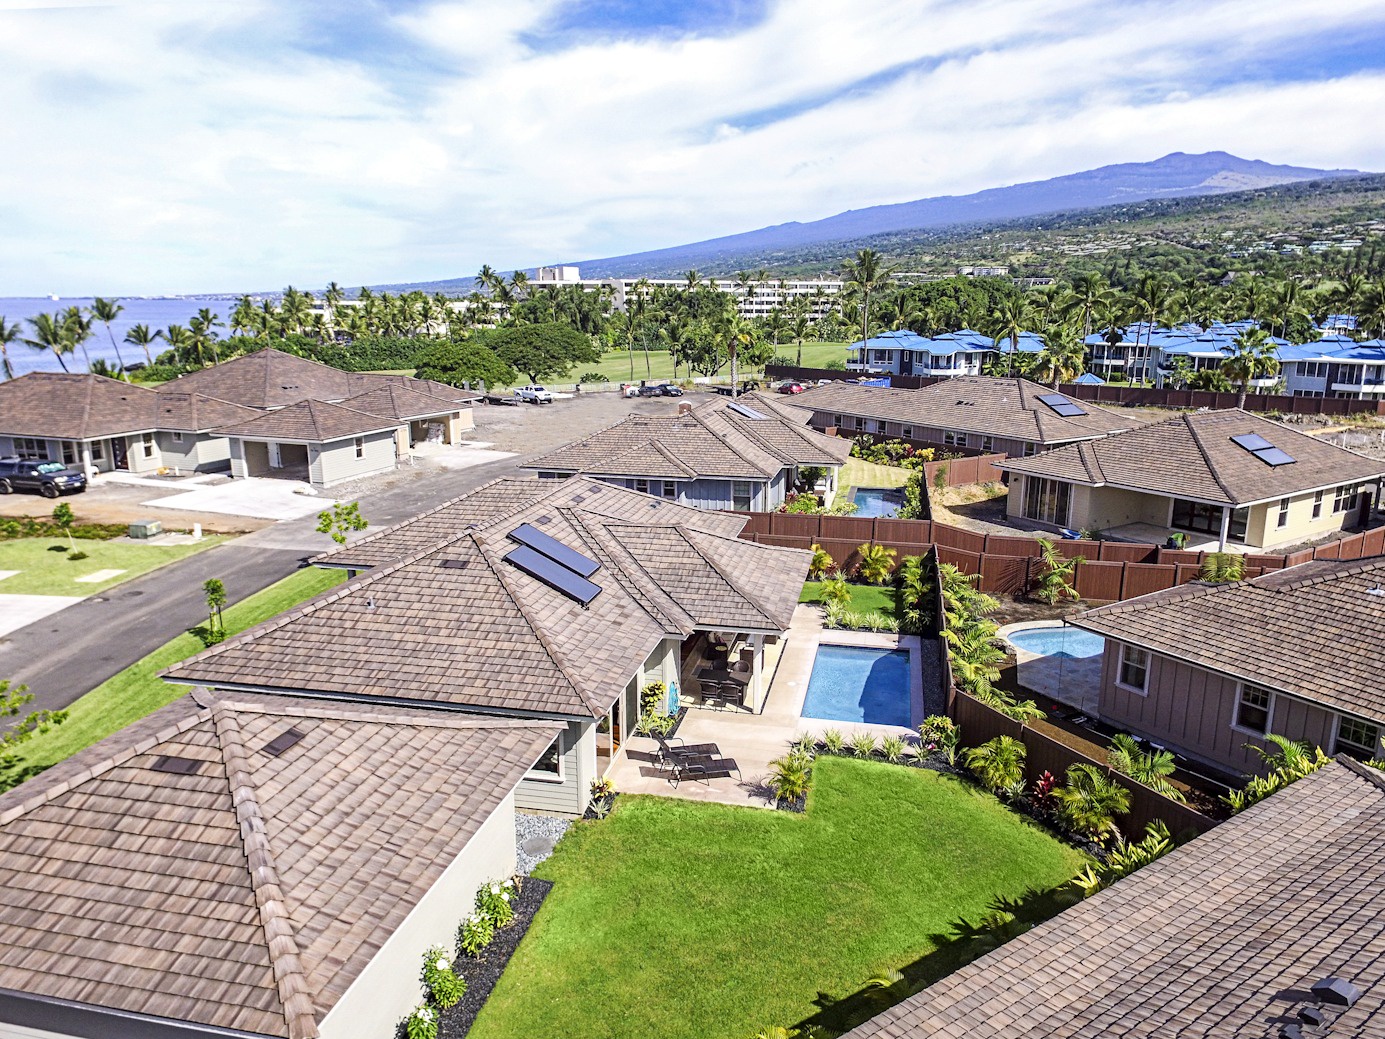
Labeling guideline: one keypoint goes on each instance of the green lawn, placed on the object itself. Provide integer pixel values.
(615, 364)
(45, 572)
(860, 473)
(685, 920)
(137, 691)
(865, 598)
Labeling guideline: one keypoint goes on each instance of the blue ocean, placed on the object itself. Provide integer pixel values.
(156, 313)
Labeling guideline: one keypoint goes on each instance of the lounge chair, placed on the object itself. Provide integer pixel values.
(702, 767)
(669, 754)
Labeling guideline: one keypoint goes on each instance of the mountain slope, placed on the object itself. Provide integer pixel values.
(1173, 176)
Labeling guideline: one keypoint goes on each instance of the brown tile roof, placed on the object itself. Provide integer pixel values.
(311, 421)
(359, 382)
(400, 402)
(970, 404)
(267, 378)
(194, 413)
(712, 440)
(1192, 456)
(1222, 937)
(251, 894)
(456, 624)
(74, 407)
(1325, 610)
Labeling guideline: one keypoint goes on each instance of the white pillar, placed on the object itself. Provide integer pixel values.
(87, 466)
(1225, 527)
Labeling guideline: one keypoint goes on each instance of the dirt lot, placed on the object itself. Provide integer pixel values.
(978, 507)
(120, 503)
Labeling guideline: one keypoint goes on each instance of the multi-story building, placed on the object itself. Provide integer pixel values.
(964, 352)
(754, 299)
(1335, 366)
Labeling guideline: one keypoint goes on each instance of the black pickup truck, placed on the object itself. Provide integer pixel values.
(50, 479)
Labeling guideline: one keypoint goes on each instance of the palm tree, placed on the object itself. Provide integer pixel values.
(864, 275)
(486, 277)
(799, 329)
(1254, 358)
(1286, 303)
(8, 335)
(1090, 802)
(998, 763)
(1151, 768)
(1008, 322)
(140, 336)
(182, 342)
(874, 567)
(693, 279)
(1054, 583)
(1083, 296)
(1062, 359)
(78, 326)
(106, 311)
(1151, 298)
(1370, 314)
(50, 333)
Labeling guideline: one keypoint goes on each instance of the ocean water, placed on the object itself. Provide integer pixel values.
(156, 313)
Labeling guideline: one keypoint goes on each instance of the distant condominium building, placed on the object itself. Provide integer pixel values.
(964, 352)
(1335, 366)
(754, 299)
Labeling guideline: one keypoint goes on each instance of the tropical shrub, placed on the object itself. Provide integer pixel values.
(1042, 796)
(1150, 768)
(998, 763)
(789, 776)
(1125, 858)
(1222, 567)
(822, 564)
(849, 620)
(803, 503)
(1054, 581)
(915, 505)
(940, 733)
(1089, 803)
(833, 741)
(915, 593)
(836, 591)
(442, 982)
(422, 1023)
(494, 900)
(1289, 762)
(804, 743)
(863, 744)
(475, 933)
(893, 748)
(876, 563)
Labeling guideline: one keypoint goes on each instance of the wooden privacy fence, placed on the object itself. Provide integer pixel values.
(1110, 570)
(1043, 753)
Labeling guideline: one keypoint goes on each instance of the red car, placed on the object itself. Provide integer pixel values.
(790, 387)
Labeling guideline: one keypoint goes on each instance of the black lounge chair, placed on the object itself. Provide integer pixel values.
(702, 767)
(669, 754)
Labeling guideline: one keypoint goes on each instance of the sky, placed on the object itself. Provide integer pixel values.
(196, 146)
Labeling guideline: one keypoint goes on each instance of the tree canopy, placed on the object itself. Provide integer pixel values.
(541, 351)
(464, 363)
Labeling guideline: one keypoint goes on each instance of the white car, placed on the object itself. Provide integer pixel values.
(534, 394)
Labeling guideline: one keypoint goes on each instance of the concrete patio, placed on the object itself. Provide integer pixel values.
(754, 740)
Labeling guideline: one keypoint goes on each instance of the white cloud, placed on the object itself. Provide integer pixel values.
(164, 147)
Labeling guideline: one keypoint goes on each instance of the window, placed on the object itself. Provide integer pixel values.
(28, 448)
(1030, 449)
(147, 445)
(69, 452)
(988, 444)
(549, 767)
(1283, 520)
(642, 486)
(177, 437)
(1317, 504)
(742, 495)
(1357, 738)
(98, 450)
(670, 490)
(1047, 501)
(907, 432)
(954, 439)
(360, 447)
(1206, 519)
(1344, 499)
(1133, 672)
(1253, 710)
(837, 421)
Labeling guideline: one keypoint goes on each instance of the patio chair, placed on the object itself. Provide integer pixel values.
(732, 692)
(710, 689)
(704, 768)
(669, 754)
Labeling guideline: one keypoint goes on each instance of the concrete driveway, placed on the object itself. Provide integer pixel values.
(262, 497)
(18, 611)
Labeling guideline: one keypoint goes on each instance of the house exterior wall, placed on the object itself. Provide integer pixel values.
(1191, 711)
(336, 462)
(135, 453)
(388, 988)
(1099, 508)
(198, 451)
(8, 1031)
(922, 431)
(568, 795)
(716, 494)
(1263, 528)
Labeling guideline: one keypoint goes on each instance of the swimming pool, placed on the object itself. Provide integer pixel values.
(875, 502)
(858, 684)
(1073, 643)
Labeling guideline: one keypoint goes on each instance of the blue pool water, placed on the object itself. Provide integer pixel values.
(854, 684)
(876, 501)
(1073, 643)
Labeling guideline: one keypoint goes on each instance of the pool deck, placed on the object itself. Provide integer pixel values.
(754, 740)
(1072, 681)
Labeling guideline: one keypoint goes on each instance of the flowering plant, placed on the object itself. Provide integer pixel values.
(602, 788)
(441, 979)
(495, 900)
(422, 1023)
(475, 934)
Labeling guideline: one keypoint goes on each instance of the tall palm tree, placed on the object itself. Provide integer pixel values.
(863, 275)
(1287, 303)
(141, 336)
(486, 277)
(1082, 298)
(77, 325)
(1152, 298)
(8, 335)
(50, 333)
(1008, 322)
(736, 334)
(106, 311)
(202, 326)
(1254, 358)
(183, 343)
(693, 279)
(1062, 359)
(799, 328)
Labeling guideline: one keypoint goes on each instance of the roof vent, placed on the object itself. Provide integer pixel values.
(370, 603)
(176, 766)
(455, 564)
(1291, 1032)
(282, 742)
(1337, 991)
(1312, 1016)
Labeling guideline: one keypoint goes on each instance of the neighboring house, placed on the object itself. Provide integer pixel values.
(251, 867)
(747, 455)
(1206, 669)
(530, 599)
(321, 443)
(1226, 477)
(948, 355)
(1224, 936)
(1007, 416)
(1335, 366)
(101, 424)
(1191, 350)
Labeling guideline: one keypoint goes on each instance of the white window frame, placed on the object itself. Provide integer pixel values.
(98, 450)
(1142, 689)
(1282, 520)
(540, 775)
(907, 432)
(640, 484)
(670, 490)
(147, 445)
(360, 447)
(1241, 688)
(749, 495)
(1345, 498)
(952, 438)
(177, 436)
(1337, 737)
(988, 444)
(1317, 504)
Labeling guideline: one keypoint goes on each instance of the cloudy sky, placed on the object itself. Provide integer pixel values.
(246, 144)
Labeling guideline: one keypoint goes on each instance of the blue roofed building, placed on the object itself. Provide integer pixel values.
(1335, 366)
(948, 355)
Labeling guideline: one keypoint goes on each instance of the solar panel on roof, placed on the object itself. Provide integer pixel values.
(1251, 441)
(741, 409)
(1273, 456)
(554, 549)
(1061, 405)
(560, 578)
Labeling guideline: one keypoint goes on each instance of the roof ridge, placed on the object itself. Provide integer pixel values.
(1374, 776)
(686, 534)
(1207, 460)
(659, 614)
(362, 711)
(658, 446)
(718, 412)
(1350, 567)
(285, 957)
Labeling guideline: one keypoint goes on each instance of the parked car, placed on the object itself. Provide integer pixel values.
(50, 479)
(533, 394)
(670, 390)
(650, 391)
(791, 387)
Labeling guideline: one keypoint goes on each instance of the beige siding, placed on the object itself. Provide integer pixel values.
(136, 457)
(20, 1032)
(1191, 711)
(570, 796)
(337, 462)
(1263, 528)
(1099, 508)
(389, 986)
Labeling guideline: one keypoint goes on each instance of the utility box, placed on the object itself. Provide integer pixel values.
(146, 529)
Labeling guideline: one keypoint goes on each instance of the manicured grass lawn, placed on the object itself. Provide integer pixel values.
(699, 921)
(45, 572)
(860, 473)
(137, 691)
(865, 598)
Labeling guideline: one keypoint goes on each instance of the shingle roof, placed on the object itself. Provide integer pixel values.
(194, 413)
(1325, 610)
(312, 421)
(267, 378)
(456, 624)
(711, 440)
(251, 894)
(74, 407)
(1193, 456)
(400, 403)
(1222, 937)
(971, 404)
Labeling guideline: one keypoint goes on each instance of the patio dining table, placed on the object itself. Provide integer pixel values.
(721, 674)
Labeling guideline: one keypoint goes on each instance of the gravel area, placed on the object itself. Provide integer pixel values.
(535, 838)
(931, 664)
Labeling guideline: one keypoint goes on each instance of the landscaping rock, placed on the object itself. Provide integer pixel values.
(535, 838)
